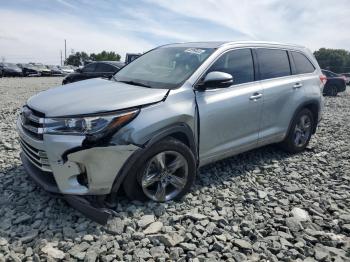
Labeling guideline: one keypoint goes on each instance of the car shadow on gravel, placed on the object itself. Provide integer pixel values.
(240, 165)
(20, 196)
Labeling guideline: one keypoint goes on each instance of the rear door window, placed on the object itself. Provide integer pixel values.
(273, 63)
(238, 63)
(302, 64)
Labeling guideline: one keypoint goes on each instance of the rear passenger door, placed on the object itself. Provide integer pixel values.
(305, 70)
(282, 93)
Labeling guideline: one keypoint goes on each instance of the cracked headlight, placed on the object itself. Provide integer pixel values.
(93, 127)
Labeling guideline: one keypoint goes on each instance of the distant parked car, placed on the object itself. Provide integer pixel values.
(335, 83)
(55, 70)
(67, 70)
(42, 69)
(9, 69)
(29, 70)
(105, 69)
(347, 78)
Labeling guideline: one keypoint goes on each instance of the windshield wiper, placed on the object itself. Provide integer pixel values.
(135, 83)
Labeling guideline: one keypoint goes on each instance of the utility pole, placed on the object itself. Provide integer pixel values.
(61, 57)
(65, 49)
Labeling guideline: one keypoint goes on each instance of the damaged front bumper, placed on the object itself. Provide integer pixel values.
(60, 165)
(85, 171)
(47, 182)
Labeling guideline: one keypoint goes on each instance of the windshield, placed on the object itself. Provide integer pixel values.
(165, 67)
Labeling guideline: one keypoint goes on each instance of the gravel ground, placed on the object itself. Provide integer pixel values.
(264, 205)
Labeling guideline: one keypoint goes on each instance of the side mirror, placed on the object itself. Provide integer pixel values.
(217, 79)
(79, 70)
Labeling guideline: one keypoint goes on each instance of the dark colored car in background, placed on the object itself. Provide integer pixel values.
(10, 69)
(42, 69)
(29, 70)
(55, 70)
(335, 83)
(105, 69)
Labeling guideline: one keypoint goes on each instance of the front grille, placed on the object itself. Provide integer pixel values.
(37, 157)
(32, 122)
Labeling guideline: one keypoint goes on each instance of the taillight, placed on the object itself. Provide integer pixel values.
(323, 79)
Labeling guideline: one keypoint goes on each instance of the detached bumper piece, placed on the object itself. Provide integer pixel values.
(99, 215)
(47, 181)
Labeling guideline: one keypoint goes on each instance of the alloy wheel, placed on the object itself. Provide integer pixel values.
(165, 176)
(302, 131)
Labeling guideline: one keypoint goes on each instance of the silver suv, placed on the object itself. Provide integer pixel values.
(172, 110)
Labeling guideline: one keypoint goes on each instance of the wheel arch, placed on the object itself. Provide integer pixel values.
(314, 106)
(180, 131)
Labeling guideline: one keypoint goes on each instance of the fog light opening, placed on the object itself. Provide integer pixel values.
(83, 179)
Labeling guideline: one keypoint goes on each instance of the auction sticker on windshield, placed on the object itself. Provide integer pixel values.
(196, 51)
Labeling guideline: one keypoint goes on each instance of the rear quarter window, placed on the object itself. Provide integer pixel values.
(273, 63)
(302, 63)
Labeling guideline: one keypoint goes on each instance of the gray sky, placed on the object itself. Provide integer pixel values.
(35, 30)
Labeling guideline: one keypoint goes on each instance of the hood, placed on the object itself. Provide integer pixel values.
(93, 96)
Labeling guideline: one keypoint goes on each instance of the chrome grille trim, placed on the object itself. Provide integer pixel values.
(36, 119)
(32, 122)
(33, 129)
(35, 156)
(29, 149)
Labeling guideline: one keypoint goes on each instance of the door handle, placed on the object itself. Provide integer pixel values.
(255, 96)
(297, 85)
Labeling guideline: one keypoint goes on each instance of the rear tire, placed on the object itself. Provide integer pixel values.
(166, 171)
(332, 91)
(300, 132)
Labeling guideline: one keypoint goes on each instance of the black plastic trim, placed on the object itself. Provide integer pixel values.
(99, 215)
(43, 179)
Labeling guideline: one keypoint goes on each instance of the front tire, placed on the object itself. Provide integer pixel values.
(166, 171)
(300, 132)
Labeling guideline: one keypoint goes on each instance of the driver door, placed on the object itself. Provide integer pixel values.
(229, 117)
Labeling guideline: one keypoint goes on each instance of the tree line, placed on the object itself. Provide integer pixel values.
(78, 58)
(336, 60)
